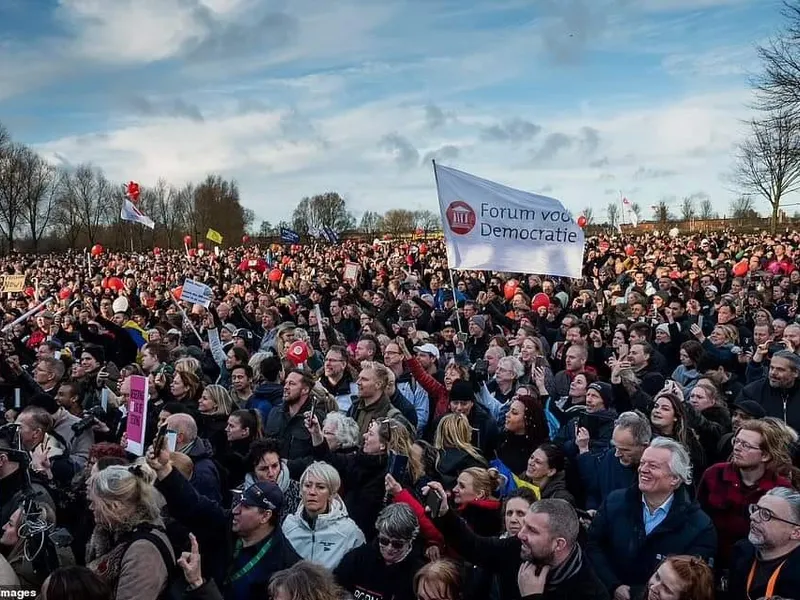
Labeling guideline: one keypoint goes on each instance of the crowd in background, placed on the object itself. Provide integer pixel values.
(356, 421)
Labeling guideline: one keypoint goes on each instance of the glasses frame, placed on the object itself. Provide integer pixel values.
(770, 516)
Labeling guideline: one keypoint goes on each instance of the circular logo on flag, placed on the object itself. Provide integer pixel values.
(460, 217)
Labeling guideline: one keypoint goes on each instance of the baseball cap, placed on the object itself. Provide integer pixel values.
(243, 333)
(263, 494)
(428, 349)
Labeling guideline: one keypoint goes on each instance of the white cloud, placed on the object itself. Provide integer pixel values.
(372, 152)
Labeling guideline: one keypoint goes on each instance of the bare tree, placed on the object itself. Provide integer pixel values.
(661, 212)
(66, 217)
(427, 220)
(743, 207)
(323, 210)
(779, 82)
(90, 197)
(706, 209)
(588, 214)
(371, 222)
(637, 210)
(40, 186)
(12, 188)
(172, 210)
(687, 208)
(612, 214)
(398, 220)
(768, 162)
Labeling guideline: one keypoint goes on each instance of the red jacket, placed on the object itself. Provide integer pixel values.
(725, 499)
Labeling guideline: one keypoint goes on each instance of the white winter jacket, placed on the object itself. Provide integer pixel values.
(333, 535)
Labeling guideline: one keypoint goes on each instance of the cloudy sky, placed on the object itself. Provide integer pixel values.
(577, 99)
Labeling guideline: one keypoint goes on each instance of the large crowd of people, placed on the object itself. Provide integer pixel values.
(356, 421)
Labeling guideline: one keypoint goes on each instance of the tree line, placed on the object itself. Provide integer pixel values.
(48, 207)
(330, 210)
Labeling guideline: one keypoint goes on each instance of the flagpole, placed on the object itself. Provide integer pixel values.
(622, 203)
(452, 279)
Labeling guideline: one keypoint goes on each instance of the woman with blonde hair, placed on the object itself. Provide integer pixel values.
(215, 406)
(474, 497)
(363, 472)
(455, 452)
(129, 544)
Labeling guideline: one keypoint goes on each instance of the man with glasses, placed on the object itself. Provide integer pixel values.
(767, 563)
(727, 488)
(406, 385)
(259, 548)
(337, 379)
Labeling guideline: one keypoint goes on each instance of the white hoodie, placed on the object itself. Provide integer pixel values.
(334, 535)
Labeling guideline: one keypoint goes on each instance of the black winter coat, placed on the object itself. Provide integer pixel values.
(621, 552)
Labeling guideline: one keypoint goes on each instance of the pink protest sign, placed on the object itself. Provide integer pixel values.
(137, 415)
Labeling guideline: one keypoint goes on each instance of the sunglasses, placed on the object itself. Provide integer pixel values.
(395, 544)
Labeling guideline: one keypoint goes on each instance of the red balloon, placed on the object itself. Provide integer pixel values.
(540, 300)
(177, 292)
(245, 239)
(65, 293)
(156, 250)
(423, 248)
(275, 275)
(200, 245)
(510, 288)
(192, 252)
(297, 353)
(113, 283)
(97, 250)
(630, 250)
(741, 268)
(581, 221)
(132, 190)
(187, 239)
(30, 292)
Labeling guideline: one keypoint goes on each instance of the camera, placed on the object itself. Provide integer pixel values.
(87, 419)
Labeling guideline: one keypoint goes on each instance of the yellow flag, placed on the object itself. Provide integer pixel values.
(214, 236)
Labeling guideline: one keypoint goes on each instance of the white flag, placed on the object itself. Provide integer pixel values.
(628, 213)
(131, 213)
(489, 226)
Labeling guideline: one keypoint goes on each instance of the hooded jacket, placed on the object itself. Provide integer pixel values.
(323, 540)
(265, 397)
(205, 477)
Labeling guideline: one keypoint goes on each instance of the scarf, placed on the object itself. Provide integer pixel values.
(565, 570)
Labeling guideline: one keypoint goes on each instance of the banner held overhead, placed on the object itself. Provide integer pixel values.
(489, 226)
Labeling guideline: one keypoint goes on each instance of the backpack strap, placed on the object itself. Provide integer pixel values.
(145, 532)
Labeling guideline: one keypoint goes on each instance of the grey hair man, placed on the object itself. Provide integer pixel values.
(767, 563)
(616, 467)
(636, 528)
